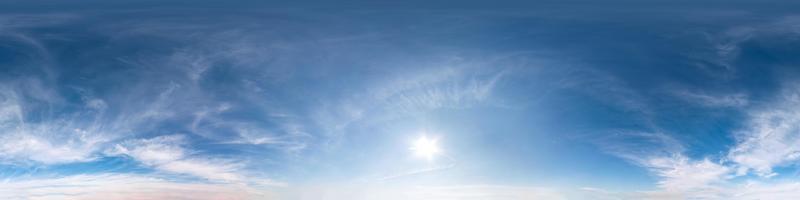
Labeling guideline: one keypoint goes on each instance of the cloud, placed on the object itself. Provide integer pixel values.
(755, 190)
(748, 170)
(726, 45)
(20, 147)
(123, 187)
(446, 87)
(771, 137)
(411, 93)
(290, 142)
(51, 142)
(640, 147)
(768, 141)
(168, 153)
(51, 116)
(747, 190)
(680, 174)
(713, 100)
(288, 136)
(609, 89)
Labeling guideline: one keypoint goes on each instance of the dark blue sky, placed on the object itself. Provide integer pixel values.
(399, 100)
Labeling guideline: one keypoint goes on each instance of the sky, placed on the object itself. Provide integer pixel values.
(439, 100)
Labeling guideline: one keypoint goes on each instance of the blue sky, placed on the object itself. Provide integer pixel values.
(399, 100)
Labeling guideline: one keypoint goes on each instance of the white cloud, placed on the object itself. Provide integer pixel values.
(754, 190)
(411, 93)
(167, 153)
(123, 187)
(448, 87)
(10, 110)
(640, 147)
(680, 174)
(51, 142)
(608, 89)
(748, 190)
(726, 45)
(288, 136)
(709, 100)
(770, 139)
(42, 123)
(290, 144)
(21, 146)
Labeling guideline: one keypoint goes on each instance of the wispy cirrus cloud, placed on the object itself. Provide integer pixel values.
(766, 142)
(769, 140)
(168, 153)
(713, 100)
(695, 178)
(608, 89)
(665, 158)
(41, 112)
(123, 186)
(725, 46)
(740, 191)
(35, 141)
(410, 94)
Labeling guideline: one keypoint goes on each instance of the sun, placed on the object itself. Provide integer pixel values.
(425, 147)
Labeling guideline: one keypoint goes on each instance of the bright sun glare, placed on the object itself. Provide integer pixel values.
(425, 147)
